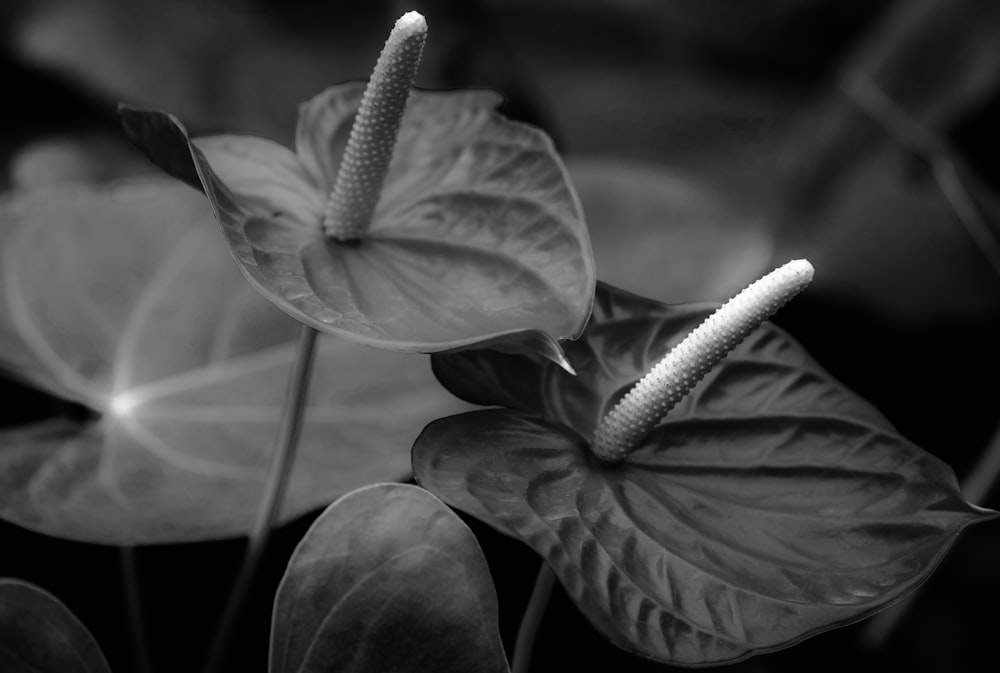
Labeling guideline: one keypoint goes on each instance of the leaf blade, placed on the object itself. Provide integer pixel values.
(38, 634)
(385, 571)
(187, 366)
(467, 193)
(772, 504)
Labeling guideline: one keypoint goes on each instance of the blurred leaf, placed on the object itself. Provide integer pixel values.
(213, 63)
(478, 238)
(891, 238)
(93, 158)
(770, 505)
(662, 234)
(387, 579)
(773, 36)
(934, 60)
(38, 634)
(891, 246)
(126, 301)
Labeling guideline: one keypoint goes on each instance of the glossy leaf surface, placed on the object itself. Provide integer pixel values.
(127, 301)
(387, 579)
(478, 238)
(771, 504)
(38, 634)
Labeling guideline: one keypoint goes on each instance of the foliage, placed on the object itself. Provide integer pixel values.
(771, 504)
(124, 300)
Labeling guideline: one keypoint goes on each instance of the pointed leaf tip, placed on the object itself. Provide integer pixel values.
(164, 141)
(770, 505)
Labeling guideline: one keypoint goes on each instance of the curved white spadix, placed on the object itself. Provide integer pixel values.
(656, 393)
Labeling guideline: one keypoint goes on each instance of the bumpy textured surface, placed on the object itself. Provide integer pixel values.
(771, 503)
(672, 378)
(478, 236)
(373, 137)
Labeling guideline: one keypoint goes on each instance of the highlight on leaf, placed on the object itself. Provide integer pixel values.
(123, 300)
(769, 505)
(476, 238)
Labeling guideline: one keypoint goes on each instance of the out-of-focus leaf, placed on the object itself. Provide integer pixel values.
(478, 238)
(893, 246)
(91, 159)
(775, 35)
(923, 247)
(127, 301)
(38, 634)
(770, 505)
(934, 60)
(213, 63)
(387, 579)
(661, 234)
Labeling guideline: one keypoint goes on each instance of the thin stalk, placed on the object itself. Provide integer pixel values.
(946, 168)
(270, 504)
(133, 610)
(524, 647)
(947, 173)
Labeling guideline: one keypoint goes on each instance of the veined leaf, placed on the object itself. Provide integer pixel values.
(127, 301)
(478, 238)
(770, 505)
(387, 579)
(38, 634)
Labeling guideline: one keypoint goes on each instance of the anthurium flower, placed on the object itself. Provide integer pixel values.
(769, 504)
(413, 221)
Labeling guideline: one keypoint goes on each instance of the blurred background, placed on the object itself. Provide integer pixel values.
(709, 140)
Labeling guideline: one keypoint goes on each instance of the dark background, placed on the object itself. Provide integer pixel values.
(748, 109)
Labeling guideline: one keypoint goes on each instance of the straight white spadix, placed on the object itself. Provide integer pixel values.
(624, 427)
(370, 147)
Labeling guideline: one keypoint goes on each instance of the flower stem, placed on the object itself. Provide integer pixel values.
(270, 504)
(133, 609)
(532, 620)
(624, 427)
(372, 142)
(952, 180)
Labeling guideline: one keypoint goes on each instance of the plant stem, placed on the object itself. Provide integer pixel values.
(948, 174)
(270, 504)
(533, 614)
(133, 610)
